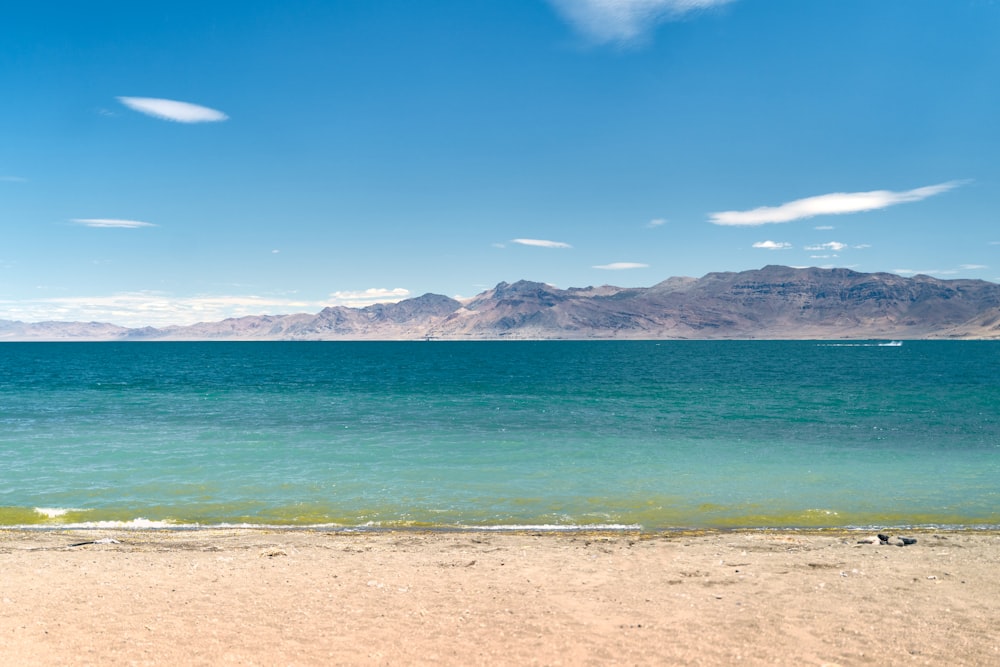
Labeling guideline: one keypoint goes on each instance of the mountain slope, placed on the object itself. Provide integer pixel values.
(772, 302)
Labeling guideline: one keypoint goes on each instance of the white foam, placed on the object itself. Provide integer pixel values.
(141, 523)
(56, 512)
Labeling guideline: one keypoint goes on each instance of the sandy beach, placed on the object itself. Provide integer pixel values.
(255, 597)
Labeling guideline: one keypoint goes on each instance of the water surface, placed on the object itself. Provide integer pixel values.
(499, 434)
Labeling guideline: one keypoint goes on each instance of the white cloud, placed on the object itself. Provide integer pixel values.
(12, 179)
(149, 308)
(158, 309)
(625, 21)
(824, 228)
(974, 267)
(112, 222)
(656, 222)
(837, 203)
(540, 243)
(621, 266)
(831, 245)
(772, 245)
(368, 297)
(181, 112)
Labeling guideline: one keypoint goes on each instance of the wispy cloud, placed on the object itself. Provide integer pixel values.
(12, 179)
(941, 272)
(625, 21)
(112, 223)
(541, 243)
(368, 297)
(621, 266)
(926, 272)
(837, 203)
(656, 222)
(823, 228)
(772, 245)
(180, 112)
(835, 246)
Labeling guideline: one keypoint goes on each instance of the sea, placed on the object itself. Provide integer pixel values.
(500, 435)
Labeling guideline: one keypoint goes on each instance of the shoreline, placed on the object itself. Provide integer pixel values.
(418, 596)
(502, 529)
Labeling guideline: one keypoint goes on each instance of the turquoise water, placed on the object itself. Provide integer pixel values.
(500, 434)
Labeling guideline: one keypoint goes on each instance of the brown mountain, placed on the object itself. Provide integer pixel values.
(773, 302)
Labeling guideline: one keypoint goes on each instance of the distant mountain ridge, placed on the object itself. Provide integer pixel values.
(775, 302)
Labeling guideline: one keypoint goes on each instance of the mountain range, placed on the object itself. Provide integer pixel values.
(775, 302)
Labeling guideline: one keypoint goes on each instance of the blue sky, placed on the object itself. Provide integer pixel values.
(174, 162)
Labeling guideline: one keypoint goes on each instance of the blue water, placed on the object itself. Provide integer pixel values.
(499, 434)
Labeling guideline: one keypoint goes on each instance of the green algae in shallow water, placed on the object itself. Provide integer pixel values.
(42, 516)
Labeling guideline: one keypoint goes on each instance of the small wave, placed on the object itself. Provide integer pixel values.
(553, 528)
(132, 524)
(512, 527)
(56, 512)
(141, 524)
(847, 345)
(891, 343)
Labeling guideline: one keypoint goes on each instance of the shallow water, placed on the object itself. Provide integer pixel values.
(557, 433)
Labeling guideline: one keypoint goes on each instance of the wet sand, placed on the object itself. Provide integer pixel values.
(256, 597)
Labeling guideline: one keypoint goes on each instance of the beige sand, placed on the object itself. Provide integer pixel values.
(404, 598)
